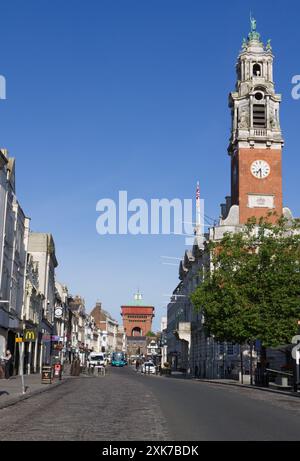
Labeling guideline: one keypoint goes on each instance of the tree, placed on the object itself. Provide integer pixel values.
(251, 288)
(150, 333)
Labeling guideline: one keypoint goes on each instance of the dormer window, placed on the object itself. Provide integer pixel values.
(257, 70)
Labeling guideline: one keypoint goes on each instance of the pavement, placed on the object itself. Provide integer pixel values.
(125, 405)
(11, 389)
(231, 382)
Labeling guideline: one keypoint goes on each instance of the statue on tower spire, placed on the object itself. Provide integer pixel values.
(253, 23)
(253, 34)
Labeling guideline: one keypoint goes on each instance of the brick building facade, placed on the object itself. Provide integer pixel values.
(137, 322)
(137, 318)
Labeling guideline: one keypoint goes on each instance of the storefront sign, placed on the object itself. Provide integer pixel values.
(29, 335)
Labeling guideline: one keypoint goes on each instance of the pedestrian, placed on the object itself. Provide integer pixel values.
(8, 364)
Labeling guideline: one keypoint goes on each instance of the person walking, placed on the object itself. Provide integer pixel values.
(8, 359)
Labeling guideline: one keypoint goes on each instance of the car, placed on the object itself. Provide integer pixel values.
(96, 360)
(149, 368)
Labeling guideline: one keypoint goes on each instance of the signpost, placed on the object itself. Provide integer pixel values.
(27, 337)
(19, 340)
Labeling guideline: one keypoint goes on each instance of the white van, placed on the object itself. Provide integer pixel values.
(96, 360)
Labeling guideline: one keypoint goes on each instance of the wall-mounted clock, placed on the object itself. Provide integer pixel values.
(58, 312)
(260, 169)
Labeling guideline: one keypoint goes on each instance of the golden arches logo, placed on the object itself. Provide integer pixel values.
(29, 335)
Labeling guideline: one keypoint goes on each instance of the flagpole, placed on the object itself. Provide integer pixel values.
(198, 210)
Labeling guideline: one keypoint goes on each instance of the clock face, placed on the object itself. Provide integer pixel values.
(260, 169)
(58, 312)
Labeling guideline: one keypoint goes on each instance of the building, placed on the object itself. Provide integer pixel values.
(77, 343)
(163, 340)
(137, 323)
(32, 315)
(60, 336)
(13, 234)
(42, 250)
(255, 150)
(108, 328)
(121, 339)
(137, 318)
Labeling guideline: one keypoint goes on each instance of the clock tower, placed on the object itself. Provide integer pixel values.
(256, 140)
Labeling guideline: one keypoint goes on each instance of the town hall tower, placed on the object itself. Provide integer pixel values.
(256, 140)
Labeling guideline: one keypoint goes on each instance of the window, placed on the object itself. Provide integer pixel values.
(230, 349)
(257, 70)
(259, 116)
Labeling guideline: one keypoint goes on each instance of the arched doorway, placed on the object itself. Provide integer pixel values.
(136, 331)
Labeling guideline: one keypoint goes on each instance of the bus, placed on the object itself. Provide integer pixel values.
(118, 359)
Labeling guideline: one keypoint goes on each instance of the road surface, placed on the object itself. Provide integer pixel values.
(125, 405)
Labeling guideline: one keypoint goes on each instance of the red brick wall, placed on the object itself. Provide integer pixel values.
(144, 324)
(140, 317)
(99, 317)
(247, 183)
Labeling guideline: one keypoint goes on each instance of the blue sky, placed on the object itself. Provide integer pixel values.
(110, 95)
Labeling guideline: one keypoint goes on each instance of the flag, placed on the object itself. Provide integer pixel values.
(198, 191)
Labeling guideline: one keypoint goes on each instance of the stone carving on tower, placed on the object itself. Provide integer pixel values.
(256, 141)
(254, 103)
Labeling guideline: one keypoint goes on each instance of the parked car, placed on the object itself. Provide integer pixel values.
(149, 367)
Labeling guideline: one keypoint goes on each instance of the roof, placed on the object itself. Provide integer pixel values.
(140, 310)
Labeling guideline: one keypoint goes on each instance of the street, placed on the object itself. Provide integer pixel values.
(125, 405)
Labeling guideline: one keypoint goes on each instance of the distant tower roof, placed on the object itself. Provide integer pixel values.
(138, 298)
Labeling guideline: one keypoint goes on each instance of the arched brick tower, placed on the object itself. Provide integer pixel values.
(137, 318)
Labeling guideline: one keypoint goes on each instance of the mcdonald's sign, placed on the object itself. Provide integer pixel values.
(29, 335)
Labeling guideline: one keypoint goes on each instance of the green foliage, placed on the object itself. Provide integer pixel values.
(253, 291)
(150, 333)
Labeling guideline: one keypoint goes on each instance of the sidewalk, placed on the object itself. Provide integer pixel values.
(11, 389)
(231, 382)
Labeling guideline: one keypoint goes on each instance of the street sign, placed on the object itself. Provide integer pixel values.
(47, 338)
(29, 335)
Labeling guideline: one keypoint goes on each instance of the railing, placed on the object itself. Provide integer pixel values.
(260, 132)
(284, 373)
(280, 378)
